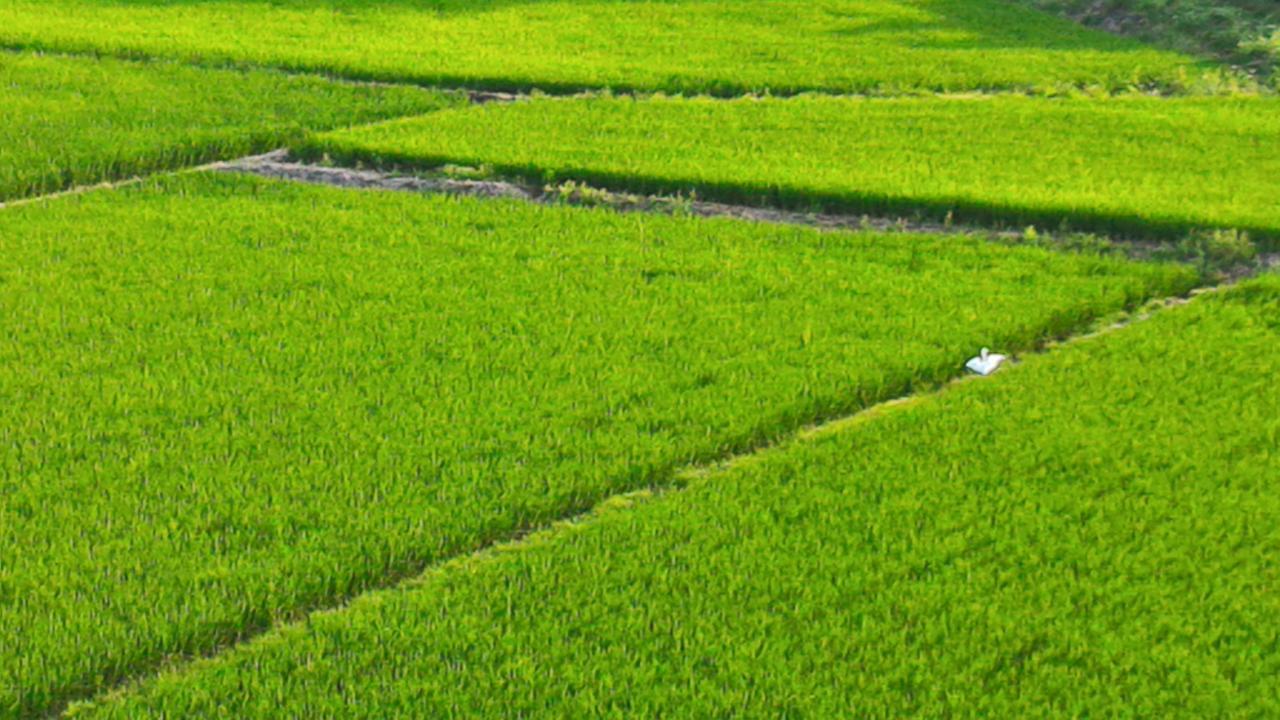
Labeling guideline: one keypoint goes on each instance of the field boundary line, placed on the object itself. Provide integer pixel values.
(1098, 330)
(675, 481)
(71, 192)
(281, 165)
(278, 165)
(121, 182)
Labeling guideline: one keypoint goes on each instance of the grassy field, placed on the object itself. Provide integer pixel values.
(1135, 166)
(229, 399)
(1093, 533)
(701, 46)
(70, 121)
(271, 449)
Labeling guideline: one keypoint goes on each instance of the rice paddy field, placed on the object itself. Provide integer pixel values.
(701, 46)
(69, 121)
(1138, 166)
(351, 369)
(1012, 548)
(480, 368)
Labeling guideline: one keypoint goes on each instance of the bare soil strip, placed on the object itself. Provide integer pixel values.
(278, 165)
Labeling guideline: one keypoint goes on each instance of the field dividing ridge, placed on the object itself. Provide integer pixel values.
(280, 166)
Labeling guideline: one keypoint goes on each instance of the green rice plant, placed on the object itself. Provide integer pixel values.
(1133, 166)
(228, 400)
(689, 46)
(1092, 533)
(72, 121)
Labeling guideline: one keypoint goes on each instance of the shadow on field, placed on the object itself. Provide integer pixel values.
(966, 25)
(947, 210)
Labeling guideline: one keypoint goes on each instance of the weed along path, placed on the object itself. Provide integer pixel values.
(307, 392)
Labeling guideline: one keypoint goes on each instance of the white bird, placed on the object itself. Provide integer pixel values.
(986, 363)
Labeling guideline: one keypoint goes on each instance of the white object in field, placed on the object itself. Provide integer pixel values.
(986, 363)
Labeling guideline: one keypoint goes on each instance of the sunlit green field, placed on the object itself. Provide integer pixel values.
(1088, 534)
(301, 392)
(75, 121)
(716, 46)
(271, 449)
(1148, 167)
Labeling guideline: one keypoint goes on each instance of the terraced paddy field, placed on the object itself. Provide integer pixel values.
(269, 449)
(1091, 532)
(699, 46)
(1136, 166)
(75, 121)
(303, 392)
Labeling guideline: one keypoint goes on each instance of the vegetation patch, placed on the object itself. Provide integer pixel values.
(684, 46)
(1090, 533)
(229, 399)
(1130, 166)
(1245, 33)
(74, 121)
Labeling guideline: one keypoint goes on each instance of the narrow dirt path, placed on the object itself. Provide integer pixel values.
(279, 166)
